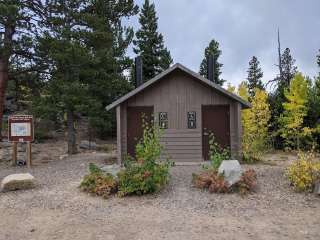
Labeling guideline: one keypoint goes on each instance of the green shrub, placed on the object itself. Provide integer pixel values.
(144, 174)
(142, 178)
(217, 153)
(149, 147)
(99, 183)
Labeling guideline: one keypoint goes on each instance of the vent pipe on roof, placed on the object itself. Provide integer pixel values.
(210, 67)
(138, 71)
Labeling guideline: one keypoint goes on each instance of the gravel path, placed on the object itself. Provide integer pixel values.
(56, 209)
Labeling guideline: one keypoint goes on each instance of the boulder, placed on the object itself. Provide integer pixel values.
(84, 144)
(17, 182)
(317, 188)
(231, 170)
(112, 169)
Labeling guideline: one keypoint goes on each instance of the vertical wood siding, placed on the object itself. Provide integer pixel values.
(177, 94)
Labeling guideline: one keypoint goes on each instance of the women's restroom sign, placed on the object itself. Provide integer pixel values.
(21, 128)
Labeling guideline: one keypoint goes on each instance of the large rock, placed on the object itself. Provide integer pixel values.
(17, 182)
(84, 144)
(231, 170)
(112, 169)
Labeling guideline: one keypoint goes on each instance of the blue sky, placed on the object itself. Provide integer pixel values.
(243, 29)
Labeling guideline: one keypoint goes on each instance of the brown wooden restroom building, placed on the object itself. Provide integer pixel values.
(187, 106)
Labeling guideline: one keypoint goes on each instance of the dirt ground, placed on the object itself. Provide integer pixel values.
(56, 209)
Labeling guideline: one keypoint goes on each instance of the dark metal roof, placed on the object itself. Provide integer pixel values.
(217, 87)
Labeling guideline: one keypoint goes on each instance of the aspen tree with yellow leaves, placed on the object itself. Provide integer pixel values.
(255, 122)
(295, 110)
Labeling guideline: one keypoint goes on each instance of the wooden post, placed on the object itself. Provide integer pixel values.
(14, 153)
(29, 154)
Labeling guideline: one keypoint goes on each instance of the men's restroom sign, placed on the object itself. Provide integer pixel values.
(20, 128)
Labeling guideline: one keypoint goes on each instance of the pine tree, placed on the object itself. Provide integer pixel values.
(18, 26)
(86, 45)
(295, 110)
(288, 68)
(149, 44)
(313, 116)
(108, 42)
(318, 61)
(62, 44)
(255, 75)
(287, 71)
(212, 49)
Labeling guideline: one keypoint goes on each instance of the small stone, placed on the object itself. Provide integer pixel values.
(84, 144)
(63, 156)
(17, 182)
(231, 170)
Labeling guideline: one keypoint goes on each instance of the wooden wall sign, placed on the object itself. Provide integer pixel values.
(20, 128)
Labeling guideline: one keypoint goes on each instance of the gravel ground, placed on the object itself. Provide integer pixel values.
(56, 209)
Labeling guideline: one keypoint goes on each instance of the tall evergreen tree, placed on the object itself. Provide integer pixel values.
(63, 45)
(318, 61)
(212, 49)
(85, 45)
(255, 75)
(287, 71)
(18, 26)
(149, 43)
(108, 42)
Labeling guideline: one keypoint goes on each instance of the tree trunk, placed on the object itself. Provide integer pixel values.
(72, 148)
(3, 87)
(5, 54)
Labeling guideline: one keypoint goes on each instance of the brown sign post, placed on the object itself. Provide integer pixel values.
(21, 129)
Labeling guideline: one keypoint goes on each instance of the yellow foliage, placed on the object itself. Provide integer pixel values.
(231, 88)
(255, 122)
(295, 110)
(243, 91)
(304, 172)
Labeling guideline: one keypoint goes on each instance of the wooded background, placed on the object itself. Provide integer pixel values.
(64, 60)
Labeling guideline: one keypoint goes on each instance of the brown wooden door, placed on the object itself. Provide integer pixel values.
(134, 125)
(215, 119)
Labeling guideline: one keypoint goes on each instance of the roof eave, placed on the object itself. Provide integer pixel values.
(244, 103)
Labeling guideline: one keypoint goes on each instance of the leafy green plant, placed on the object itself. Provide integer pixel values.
(149, 147)
(217, 153)
(141, 178)
(99, 183)
(145, 174)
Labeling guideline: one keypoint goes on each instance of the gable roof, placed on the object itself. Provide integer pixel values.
(208, 83)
